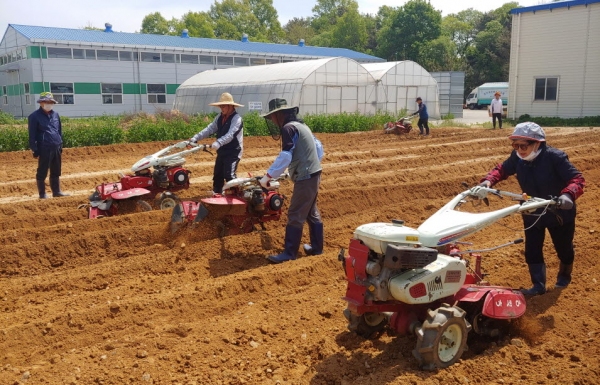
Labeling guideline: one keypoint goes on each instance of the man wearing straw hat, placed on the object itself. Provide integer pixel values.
(496, 109)
(229, 128)
(45, 140)
(301, 154)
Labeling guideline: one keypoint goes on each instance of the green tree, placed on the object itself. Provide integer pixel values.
(408, 30)
(269, 20)
(350, 31)
(198, 24)
(327, 12)
(299, 28)
(438, 55)
(155, 23)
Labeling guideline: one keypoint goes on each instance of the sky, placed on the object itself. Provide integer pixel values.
(127, 15)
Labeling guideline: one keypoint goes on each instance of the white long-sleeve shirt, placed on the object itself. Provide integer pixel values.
(496, 106)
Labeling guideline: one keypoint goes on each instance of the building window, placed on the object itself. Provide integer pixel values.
(103, 54)
(546, 88)
(90, 54)
(151, 57)
(63, 92)
(59, 53)
(168, 58)
(241, 61)
(257, 62)
(273, 61)
(4, 90)
(125, 55)
(78, 53)
(112, 93)
(157, 93)
(189, 59)
(27, 92)
(207, 59)
(224, 61)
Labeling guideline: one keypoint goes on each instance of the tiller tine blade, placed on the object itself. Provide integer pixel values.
(177, 218)
(202, 213)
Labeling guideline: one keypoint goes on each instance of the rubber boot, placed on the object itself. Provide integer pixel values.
(537, 271)
(564, 276)
(55, 186)
(41, 186)
(293, 236)
(316, 239)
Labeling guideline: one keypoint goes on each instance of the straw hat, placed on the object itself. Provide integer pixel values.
(278, 105)
(225, 99)
(46, 97)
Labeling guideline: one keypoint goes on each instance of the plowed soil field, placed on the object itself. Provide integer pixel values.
(120, 301)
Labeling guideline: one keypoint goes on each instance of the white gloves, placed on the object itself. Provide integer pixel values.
(565, 202)
(215, 145)
(264, 181)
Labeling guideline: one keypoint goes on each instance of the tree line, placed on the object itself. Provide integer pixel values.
(475, 42)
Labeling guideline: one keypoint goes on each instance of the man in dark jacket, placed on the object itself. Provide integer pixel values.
(543, 171)
(45, 140)
(423, 122)
(229, 128)
(301, 154)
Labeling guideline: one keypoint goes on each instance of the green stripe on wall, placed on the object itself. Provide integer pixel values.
(33, 52)
(44, 52)
(132, 88)
(36, 87)
(87, 88)
(171, 88)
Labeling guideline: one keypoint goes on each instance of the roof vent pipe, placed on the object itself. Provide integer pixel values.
(301, 43)
(108, 27)
(245, 38)
(184, 33)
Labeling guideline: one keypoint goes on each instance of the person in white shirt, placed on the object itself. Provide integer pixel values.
(496, 109)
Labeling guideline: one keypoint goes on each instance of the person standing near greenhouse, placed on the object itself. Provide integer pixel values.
(423, 122)
(46, 140)
(229, 144)
(301, 154)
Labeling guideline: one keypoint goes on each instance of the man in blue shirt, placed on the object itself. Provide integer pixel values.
(45, 140)
(423, 117)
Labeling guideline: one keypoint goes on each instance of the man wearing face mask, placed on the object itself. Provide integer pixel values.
(543, 171)
(45, 140)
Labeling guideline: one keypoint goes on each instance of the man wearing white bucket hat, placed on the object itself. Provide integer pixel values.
(45, 140)
(543, 171)
(229, 144)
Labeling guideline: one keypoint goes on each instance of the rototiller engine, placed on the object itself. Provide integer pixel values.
(242, 205)
(155, 178)
(401, 126)
(418, 282)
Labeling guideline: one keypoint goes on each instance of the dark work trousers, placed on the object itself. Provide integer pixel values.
(225, 169)
(423, 123)
(562, 238)
(303, 205)
(499, 117)
(49, 159)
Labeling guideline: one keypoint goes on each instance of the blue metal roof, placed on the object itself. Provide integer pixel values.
(550, 6)
(140, 39)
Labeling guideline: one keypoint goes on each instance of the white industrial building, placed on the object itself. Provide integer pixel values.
(400, 83)
(94, 72)
(555, 60)
(322, 86)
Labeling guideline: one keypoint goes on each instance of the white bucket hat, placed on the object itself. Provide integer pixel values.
(528, 131)
(225, 99)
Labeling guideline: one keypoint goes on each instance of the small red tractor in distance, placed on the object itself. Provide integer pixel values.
(418, 282)
(401, 126)
(242, 205)
(155, 178)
